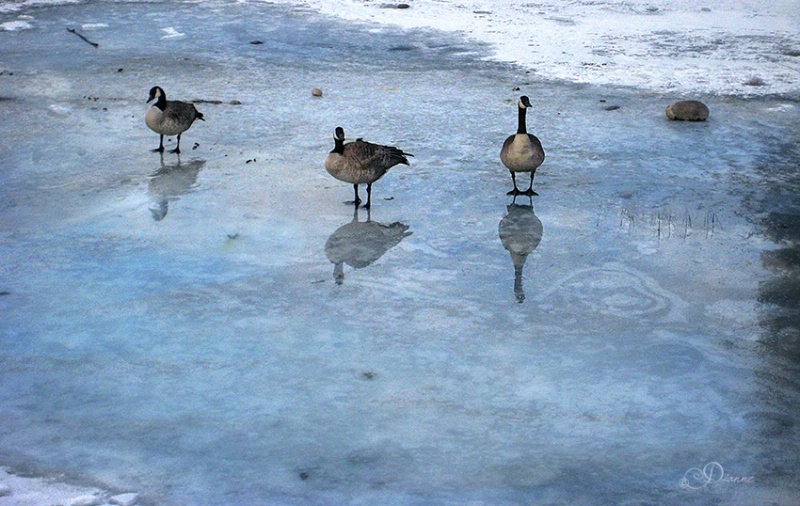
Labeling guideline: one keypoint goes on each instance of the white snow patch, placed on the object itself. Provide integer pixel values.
(15, 26)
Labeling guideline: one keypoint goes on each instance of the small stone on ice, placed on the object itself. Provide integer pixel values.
(316, 92)
(128, 499)
(4, 490)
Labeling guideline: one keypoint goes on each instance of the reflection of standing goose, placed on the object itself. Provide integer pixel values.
(361, 162)
(169, 117)
(522, 152)
(520, 232)
(169, 182)
(359, 243)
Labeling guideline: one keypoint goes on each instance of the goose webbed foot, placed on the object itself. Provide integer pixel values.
(357, 200)
(177, 149)
(517, 192)
(160, 148)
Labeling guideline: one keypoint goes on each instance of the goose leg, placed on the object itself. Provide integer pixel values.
(515, 191)
(160, 148)
(178, 147)
(369, 196)
(530, 191)
(357, 200)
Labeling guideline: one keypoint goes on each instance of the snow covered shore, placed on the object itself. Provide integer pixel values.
(726, 47)
(737, 47)
(21, 491)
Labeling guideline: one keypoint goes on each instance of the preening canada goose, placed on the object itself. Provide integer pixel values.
(169, 117)
(522, 152)
(361, 162)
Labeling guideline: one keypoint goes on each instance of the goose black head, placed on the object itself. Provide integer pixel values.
(156, 93)
(338, 134)
(524, 102)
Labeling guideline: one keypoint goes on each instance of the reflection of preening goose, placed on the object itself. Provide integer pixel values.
(520, 232)
(169, 117)
(361, 162)
(359, 243)
(522, 152)
(169, 182)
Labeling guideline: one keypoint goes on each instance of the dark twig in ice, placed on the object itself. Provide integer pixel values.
(72, 30)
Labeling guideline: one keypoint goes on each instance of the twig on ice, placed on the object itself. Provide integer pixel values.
(72, 30)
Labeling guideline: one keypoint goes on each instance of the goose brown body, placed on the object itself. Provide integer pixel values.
(361, 162)
(169, 117)
(522, 152)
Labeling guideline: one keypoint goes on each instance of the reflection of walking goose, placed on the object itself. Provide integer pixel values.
(169, 182)
(520, 232)
(361, 162)
(522, 152)
(360, 243)
(169, 117)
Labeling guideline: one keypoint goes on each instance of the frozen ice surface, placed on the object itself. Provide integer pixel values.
(174, 325)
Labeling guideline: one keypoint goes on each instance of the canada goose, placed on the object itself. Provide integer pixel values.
(522, 152)
(361, 162)
(169, 117)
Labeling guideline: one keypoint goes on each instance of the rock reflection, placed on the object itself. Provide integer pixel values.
(520, 232)
(169, 182)
(360, 243)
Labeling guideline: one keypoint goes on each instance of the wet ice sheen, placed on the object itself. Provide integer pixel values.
(174, 326)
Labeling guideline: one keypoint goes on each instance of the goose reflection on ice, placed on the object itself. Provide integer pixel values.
(520, 232)
(360, 243)
(169, 182)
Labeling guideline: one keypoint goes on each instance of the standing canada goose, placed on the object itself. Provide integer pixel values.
(169, 117)
(361, 162)
(522, 152)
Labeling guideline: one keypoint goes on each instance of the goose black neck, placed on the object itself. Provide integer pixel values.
(161, 101)
(521, 128)
(338, 146)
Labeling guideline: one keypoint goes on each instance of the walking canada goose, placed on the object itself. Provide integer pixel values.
(361, 162)
(169, 117)
(522, 152)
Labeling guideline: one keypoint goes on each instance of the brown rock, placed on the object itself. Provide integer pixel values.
(316, 92)
(688, 110)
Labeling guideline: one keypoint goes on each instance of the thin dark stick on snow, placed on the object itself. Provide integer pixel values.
(72, 30)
